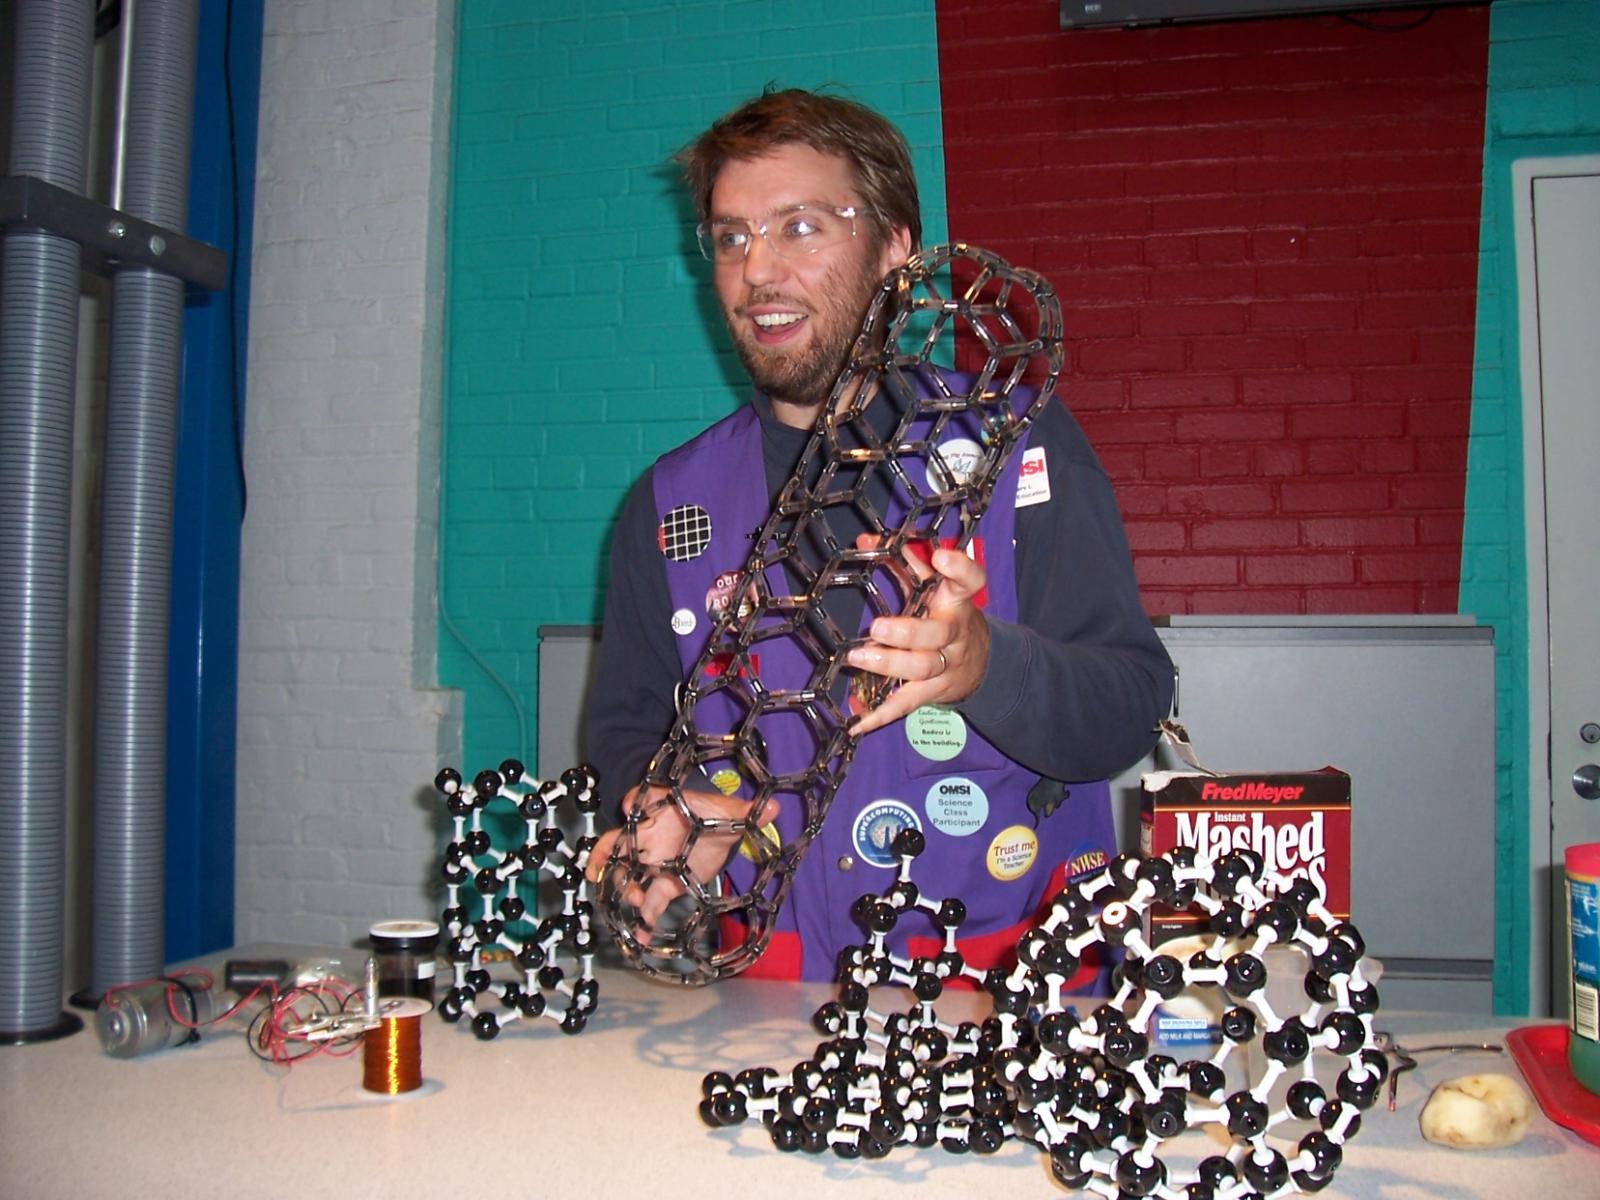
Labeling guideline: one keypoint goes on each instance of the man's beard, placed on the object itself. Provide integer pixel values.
(805, 378)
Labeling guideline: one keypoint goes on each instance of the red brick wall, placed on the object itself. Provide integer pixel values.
(1265, 237)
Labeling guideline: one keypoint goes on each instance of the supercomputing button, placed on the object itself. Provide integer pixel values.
(875, 830)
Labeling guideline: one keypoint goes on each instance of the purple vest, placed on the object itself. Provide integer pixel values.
(932, 770)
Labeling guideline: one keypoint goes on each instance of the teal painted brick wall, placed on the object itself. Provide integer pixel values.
(1544, 99)
(581, 340)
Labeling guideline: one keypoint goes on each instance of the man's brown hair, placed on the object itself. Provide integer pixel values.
(878, 155)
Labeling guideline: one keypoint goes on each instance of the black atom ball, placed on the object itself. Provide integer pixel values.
(909, 842)
(730, 1108)
(1247, 1116)
(1267, 1173)
(1306, 1098)
(785, 1136)
(1066, 1162)
(1137, 1178)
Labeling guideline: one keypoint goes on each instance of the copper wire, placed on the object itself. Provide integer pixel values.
(392, 1057)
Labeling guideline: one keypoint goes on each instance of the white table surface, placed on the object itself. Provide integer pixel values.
(610, 1112)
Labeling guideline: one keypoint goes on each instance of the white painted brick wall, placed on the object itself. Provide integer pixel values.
(340, 730)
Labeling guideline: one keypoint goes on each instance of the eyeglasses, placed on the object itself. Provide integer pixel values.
(791, 232)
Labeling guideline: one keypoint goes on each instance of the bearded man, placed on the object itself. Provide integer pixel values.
(1033, 675)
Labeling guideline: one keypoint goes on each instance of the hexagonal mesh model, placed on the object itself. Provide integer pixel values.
(877, 482)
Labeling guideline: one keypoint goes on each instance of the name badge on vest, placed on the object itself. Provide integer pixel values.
(1033, 478)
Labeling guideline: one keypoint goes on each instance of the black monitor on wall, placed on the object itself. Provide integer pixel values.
(1110, 14)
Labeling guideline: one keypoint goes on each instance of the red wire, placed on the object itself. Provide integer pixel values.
(172, 1005)
(166, 979)
(278, 1032)
(284, 1021)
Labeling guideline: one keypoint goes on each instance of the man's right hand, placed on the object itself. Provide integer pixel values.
(659, 836)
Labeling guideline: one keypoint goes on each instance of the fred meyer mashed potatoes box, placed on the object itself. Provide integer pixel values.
(1299, 825)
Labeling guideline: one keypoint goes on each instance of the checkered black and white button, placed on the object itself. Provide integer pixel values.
(684, 533)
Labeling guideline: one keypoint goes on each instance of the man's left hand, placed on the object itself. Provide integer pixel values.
(940, 657)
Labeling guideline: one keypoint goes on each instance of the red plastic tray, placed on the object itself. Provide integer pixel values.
(1541, 1052)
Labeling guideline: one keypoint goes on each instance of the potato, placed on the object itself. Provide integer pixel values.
(1477, 1112)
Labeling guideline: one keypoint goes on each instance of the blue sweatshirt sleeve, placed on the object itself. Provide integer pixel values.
(631, 702)
(1075, 688)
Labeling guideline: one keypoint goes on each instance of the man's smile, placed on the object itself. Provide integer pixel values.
(774, 326)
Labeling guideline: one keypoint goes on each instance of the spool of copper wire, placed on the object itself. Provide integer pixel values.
(391, 1061)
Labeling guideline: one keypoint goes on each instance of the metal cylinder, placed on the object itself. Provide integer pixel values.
(140, 1020)
(50, 75)
(136, 512)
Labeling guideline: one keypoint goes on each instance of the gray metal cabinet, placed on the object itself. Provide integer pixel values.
(1405, 705)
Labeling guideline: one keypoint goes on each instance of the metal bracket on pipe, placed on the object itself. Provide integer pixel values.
(122, 239)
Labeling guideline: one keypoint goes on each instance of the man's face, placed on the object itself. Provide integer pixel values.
(793, 320)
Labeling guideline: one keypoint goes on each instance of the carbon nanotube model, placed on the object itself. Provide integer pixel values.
(1114, 1117)
(877, 482)
(492, 897)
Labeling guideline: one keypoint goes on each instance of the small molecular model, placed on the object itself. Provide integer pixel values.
(486, 907)
(1086, 1089)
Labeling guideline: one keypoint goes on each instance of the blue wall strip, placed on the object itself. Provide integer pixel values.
(203, 653)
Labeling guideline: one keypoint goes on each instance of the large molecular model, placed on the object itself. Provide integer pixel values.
(1086, 1089)
(878, 461)
(486, 904)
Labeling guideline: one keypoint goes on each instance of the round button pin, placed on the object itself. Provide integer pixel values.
(957, 806)
(684, 533)
(936, 733)
(1012, 852)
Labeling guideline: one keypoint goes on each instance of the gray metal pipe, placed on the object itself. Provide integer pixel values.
(136, 513)
(38, 353)
(119, 119)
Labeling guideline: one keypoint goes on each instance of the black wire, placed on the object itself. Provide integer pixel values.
(235, 392)
(252, 1035)
(179, 983)
(288, 1051)
(304, 1049)
(1381, 27)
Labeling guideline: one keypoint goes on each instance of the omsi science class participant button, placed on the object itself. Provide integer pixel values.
(957, 806)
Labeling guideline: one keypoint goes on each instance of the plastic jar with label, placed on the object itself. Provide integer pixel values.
(1583, 941)
(404, 950)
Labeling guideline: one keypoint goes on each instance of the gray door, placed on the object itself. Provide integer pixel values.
(1566, 221)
